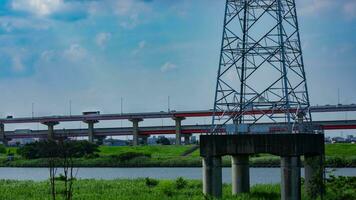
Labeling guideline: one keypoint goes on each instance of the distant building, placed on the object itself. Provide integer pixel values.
(21, 142)
(338, 140)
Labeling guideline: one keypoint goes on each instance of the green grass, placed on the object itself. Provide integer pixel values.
(155, 151)
(125, 189)
(336, 189)
(343, 150)
(337, 155)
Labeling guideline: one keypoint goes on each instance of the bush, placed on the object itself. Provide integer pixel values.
(341, 188)
(130, 155)
(2, 149)
(47, 149)
(151, 182)
(180, 183)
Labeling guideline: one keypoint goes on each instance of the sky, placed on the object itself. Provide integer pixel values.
(94, 53)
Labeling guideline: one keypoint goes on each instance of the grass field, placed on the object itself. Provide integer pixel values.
(341, 188)
(125, 190)
(337, 155)
(345, 150)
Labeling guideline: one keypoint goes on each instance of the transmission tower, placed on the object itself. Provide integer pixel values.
(261, 75)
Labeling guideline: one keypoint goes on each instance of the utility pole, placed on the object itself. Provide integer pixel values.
(70, 107)
(32, 110)
(121, 106)
(169, 104)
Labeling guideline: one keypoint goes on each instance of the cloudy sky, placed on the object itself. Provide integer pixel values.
(93, 53)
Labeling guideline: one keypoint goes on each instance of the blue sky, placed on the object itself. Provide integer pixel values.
(95, 52)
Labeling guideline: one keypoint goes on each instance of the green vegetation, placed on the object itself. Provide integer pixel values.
(45, 149)
(340, 188)
(337, 155)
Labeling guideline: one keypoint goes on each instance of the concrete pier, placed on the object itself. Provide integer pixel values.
(240, 171)
(288, 146)
(313, 170)
(212, 177)
(50, 126)
(91, 132)
(178, 121)
(135, 130)
(2, 134)
(290, 178)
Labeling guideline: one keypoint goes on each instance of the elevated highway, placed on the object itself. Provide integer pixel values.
(154, 130)
(158, 115)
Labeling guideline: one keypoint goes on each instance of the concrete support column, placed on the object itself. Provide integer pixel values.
(212, 177)
(2, 134)
(91, 133)
(50, 126)
(290, 178)
(240, 174)
(187, 139)
(135, 131)
(313, 170)
(178, 121)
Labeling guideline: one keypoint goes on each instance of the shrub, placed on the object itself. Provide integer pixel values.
(130, 155)
(180, 183)
(50, 149)
(2, 149)
(151, 182)
(168, 189)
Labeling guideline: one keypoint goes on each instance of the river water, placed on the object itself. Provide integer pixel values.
(257, 175)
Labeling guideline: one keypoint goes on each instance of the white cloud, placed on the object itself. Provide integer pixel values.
(141, 45)
(350, 9)
(75, 52)
(37, 7)
(102, 39)
(316, 7)
(310, 7)
(168, 67)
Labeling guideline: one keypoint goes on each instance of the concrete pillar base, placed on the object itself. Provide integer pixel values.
(314, 171)
(290, 178)
(212, 177)
(178, 121)
(135, 139)
(240, 174)
(2, 134)
(50, 126)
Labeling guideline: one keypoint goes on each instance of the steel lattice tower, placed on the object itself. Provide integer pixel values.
(261, 75)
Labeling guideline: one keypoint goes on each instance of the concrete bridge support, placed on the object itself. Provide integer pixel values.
(135, 131)
(91, 132)
(313, 170)
(178, 121)
(290, 178)
(240, 174)
(50, 126)
(2, 134)
(212, 176)
(288, 146)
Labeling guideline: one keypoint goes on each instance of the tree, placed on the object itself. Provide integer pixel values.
(163, 140)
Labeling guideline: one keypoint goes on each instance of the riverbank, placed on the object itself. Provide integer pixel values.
(158, 189)
(337, 155)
